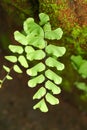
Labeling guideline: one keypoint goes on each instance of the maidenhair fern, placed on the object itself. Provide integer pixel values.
(80, 65)
(39, 59)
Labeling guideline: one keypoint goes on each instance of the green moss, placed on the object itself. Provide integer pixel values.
(78, 37)
(74, 35)
(51, 10)
(58, 13)
(18, 10)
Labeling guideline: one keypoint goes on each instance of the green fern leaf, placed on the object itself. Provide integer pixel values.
(55, 50)
(22, 60)
(12, 59)
(47, 27)
(29, 49)
(7, 69)
(17, 69)
(9, 77)
(30, 27)
(36, 41)
(53, 76)
(37, 80)
(37, 68)
(36, 55)
(20, 38)
(81, 86)
(80, 65)
(55, 34)
(42, 106)
(0, 81)
(40, 93)
(83, 69)
(51, 62)
(76, 61)
(44, 18)
(16, 49)
(51, 86)
(51, 99)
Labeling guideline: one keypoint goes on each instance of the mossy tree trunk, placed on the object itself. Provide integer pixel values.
(70, 15)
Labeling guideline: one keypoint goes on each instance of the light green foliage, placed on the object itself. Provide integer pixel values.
(41, 105)
(33, 29)
(35, 55)
(53, 76)
(17, 69)
(40, 93)
(36, 41)
(16, 49)
(81, 86)
(20, 38)
(55, 34)
(80, 65)
(38, 58)
(83, 69)
(37, 80)
(7, 69)
(12, 59)
(37, 68)
(51, 99)
(9, 77)
(51, 62)
(44, 19)
(22, 60)
(55, 50)
(29, 49)
(51, 86)
(0, 83)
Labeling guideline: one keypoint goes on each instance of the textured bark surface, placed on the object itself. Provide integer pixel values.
(71, 15)
(67, 12)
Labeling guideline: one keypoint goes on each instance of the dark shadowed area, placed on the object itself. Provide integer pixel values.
(16, 111)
